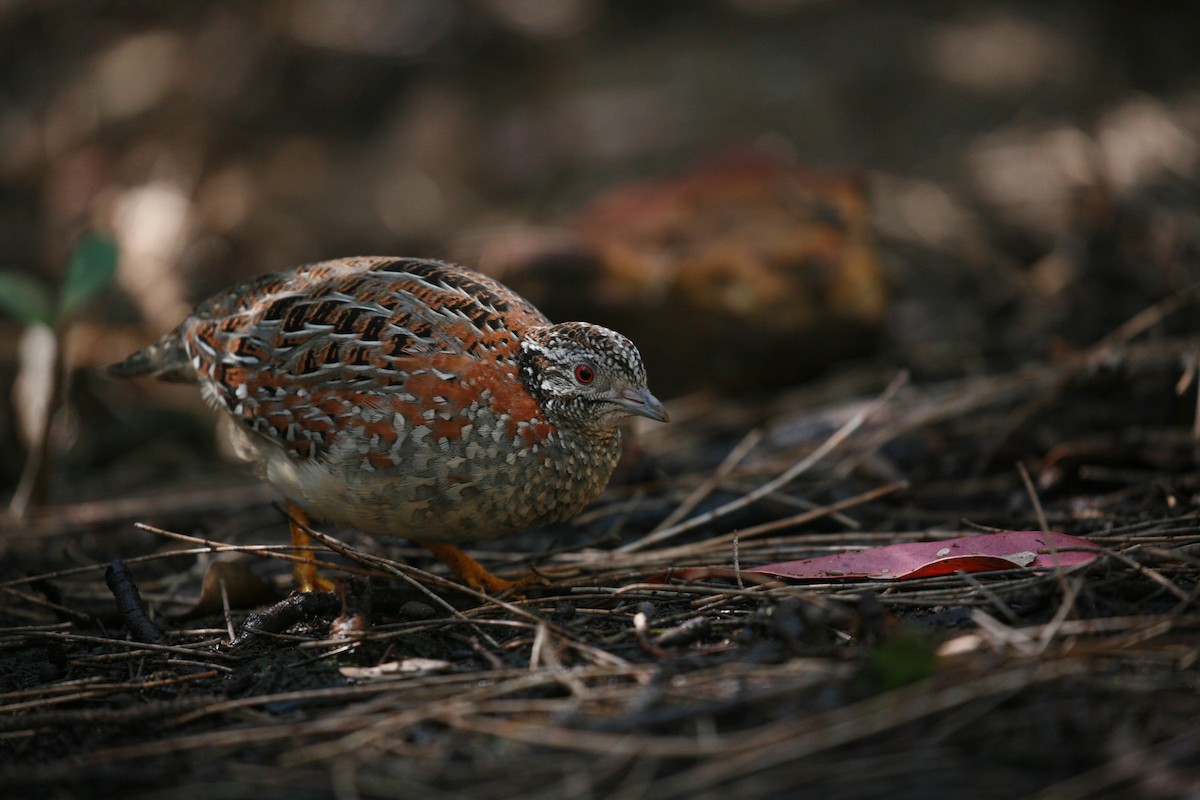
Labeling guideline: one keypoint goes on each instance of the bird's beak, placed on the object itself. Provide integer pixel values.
(640, 402)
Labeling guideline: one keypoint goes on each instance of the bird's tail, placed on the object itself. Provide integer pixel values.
(165, 359)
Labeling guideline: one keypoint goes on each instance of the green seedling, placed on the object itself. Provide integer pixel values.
(47, 317)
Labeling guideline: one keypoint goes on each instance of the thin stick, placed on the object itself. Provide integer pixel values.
(264, 551)
(1044, 524)
(829, 445)
(737, 563)
(1193, 362)
(739, 452)
(53, 519)
(715, 542)
(229, 627)
(816, 513)
(157, 648)
(1038, 511)
(1146, 318)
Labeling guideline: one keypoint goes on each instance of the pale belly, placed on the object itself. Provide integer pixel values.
(445, 491)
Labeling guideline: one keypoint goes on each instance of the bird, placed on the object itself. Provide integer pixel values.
(409, 397)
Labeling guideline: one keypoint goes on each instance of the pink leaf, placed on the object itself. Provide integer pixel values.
(982, 553)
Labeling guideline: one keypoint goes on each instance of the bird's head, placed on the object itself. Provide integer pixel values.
(586, 376)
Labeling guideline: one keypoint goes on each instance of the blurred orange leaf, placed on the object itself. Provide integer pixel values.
(243, 587)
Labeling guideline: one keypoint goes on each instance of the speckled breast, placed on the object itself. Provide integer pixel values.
(466, 488)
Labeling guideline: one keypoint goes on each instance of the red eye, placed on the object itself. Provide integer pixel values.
(584, 374)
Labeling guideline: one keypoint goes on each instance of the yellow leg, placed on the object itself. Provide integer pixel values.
(472, 572)
(304, 573)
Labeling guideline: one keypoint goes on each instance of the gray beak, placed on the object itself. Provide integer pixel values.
(641, 403)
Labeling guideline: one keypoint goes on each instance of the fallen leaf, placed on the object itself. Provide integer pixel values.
(983, 553)
(243, 586)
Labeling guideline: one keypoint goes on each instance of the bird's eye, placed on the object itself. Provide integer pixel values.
(584, 374)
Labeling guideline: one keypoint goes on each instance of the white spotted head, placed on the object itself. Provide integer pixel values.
(586, 376)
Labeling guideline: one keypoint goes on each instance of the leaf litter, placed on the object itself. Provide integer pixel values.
(665, 657)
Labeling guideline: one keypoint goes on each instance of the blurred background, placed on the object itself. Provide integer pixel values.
(758, 192)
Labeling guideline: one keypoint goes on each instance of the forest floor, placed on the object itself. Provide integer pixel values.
(624, 676)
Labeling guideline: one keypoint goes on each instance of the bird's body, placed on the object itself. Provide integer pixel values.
(410, 397)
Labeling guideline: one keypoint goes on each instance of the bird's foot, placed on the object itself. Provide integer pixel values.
(475, 575)
(304, 572)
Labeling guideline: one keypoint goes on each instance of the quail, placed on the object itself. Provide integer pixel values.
(409, 397)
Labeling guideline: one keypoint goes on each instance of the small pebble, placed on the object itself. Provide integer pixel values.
(415, 609)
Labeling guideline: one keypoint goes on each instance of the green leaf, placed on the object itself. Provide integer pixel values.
(25, 298)
(90, 273)
(905, 657)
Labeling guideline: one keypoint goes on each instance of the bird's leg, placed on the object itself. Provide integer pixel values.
(472, 572)
(304, 573)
